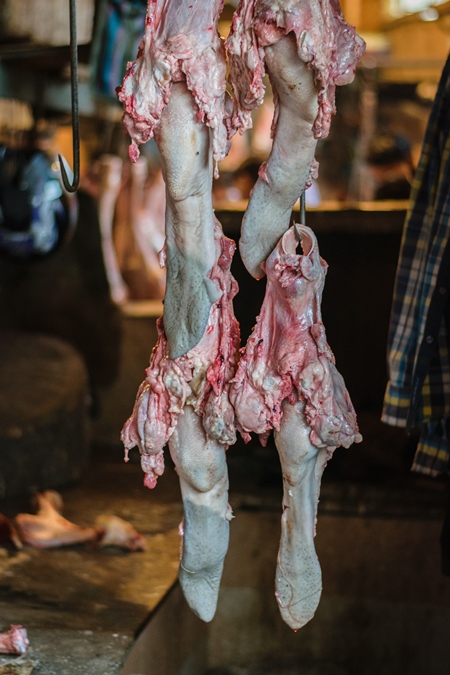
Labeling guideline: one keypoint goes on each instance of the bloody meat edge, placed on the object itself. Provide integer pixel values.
(199, 379)
(180, 44)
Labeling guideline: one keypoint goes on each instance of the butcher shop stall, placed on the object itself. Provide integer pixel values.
(224, 337)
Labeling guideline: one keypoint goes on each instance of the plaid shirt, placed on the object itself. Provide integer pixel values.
(418, 391)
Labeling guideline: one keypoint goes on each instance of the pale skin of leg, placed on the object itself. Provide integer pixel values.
(185, 147)
(201, 466)
(298, 580)
(186, 152)
(269, 209)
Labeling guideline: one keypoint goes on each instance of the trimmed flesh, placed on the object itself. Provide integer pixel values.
(181, 43)
(287, 355)
(48, 528)
(287, 381)
(199, 378)
(14, 641)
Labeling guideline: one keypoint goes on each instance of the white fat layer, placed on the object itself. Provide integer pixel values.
(298, 579)
(288, 167)
(185, 146)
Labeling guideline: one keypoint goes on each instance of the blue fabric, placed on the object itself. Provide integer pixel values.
(120, 28)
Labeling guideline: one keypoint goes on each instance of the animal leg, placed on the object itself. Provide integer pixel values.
(283, 179)
(298, 580)
(201, 466)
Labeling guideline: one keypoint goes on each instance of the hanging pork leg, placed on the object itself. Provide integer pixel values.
(287, 381)
(202, 469)
(298, 579)
(184, 400)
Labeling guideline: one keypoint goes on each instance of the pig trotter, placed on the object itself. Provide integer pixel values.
(202, 469)
(298, 580)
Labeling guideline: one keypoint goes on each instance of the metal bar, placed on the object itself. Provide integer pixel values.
(303, 208)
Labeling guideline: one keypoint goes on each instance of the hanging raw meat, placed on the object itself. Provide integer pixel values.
(176, 91)
(287, 381)
(198, 379)
(185, 402)
(307, 49)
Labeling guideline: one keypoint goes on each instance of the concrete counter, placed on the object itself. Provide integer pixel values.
(82, 606)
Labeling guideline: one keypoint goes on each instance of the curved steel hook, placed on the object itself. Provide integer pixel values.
(298, 236)
(303, 208)
(72, 187)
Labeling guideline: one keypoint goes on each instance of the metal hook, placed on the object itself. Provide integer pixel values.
(303, 208)
(298, 236)
(72, 187)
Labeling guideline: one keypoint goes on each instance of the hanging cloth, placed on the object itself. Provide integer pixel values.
(418, 391)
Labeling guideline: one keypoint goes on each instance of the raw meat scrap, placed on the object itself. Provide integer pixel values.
(306, 48)
(14, 640)
(199, 378)
(48, 528)
(287, 381)
(181, 43)
(114, 531)
(287, 356)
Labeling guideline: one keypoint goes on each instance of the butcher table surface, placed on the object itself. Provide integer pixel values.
(83, 606)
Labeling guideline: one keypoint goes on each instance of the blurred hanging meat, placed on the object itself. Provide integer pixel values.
(138, 233)
(110, 171)
(148, 226)
(287, 381)
(307, 49)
